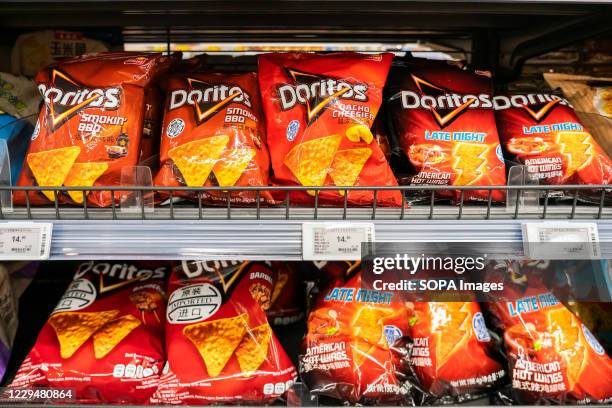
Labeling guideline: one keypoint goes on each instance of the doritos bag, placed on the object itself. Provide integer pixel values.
(287, 301)
(220, 346)
(319, 111)
(452, 349)
(444, 120)
(355, 343)
(542, 132)
(90, 126)
(552, 355)
(105, 337)
(213, 136)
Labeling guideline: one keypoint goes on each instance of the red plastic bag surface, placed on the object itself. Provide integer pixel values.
(220, 346)
(319, 111)
(355, 343)
(213, 136)
(90, 125)
(104, 339)
(444, 120)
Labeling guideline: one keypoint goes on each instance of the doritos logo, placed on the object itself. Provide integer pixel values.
(65, 97)
(538, 106)
(207, 99)
(120, 274)
(317, 92)
(195, 269)
(444, 105)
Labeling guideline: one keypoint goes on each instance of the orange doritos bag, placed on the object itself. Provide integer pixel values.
(552, 355)
(104, 339)
(319, 111)
(452, 349)
(90, 126)
(444, 120)
(213, 136)
(354, 344)
(543, 132)
(220, 346)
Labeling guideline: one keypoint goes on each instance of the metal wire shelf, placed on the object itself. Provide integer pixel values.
(574, 207)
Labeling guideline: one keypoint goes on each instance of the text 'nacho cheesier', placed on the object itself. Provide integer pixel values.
(443, 117)
(319, 111)
(213, 136)
(221, 348)
(553, 357)
(104, 339)
(90, 125)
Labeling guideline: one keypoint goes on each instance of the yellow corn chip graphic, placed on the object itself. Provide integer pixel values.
(357, 133)
(367, 324)
(83, 175)
(361, 349)
(112, 333)
(454, 331)
(469, 160)
(310, 161)
(347, 166)
(230, 167)
(216, 340)
(196, 159)
(51, 167)
(73, 329)
(565, 328)
(253, 348)
(577, 147)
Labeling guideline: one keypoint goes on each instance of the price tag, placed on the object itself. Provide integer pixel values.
(25, 240)
(561, 240)
(327, 241)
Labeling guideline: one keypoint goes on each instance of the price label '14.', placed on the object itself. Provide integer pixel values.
(329, 241)
(25, 240)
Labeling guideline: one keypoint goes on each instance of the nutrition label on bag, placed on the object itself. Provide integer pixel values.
(25, 240)
(324, 241)
(561, 240)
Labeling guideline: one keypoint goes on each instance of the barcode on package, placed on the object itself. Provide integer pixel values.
(25, 241)
(335, 241)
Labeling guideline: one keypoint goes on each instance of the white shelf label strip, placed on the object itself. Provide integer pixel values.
(25, 240)
(562, 240)
(332, 241)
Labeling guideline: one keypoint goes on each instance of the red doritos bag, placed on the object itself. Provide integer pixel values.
(552, 356)
(542, 132)
(354, 345)
(452, 348)
(104, 339)
(220, 346)
(213, 136)
(444, 120)
(319, 111)
(90, 126)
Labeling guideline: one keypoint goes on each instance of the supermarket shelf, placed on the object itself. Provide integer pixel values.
(215, 239)
(281, 214)
(194, 230)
